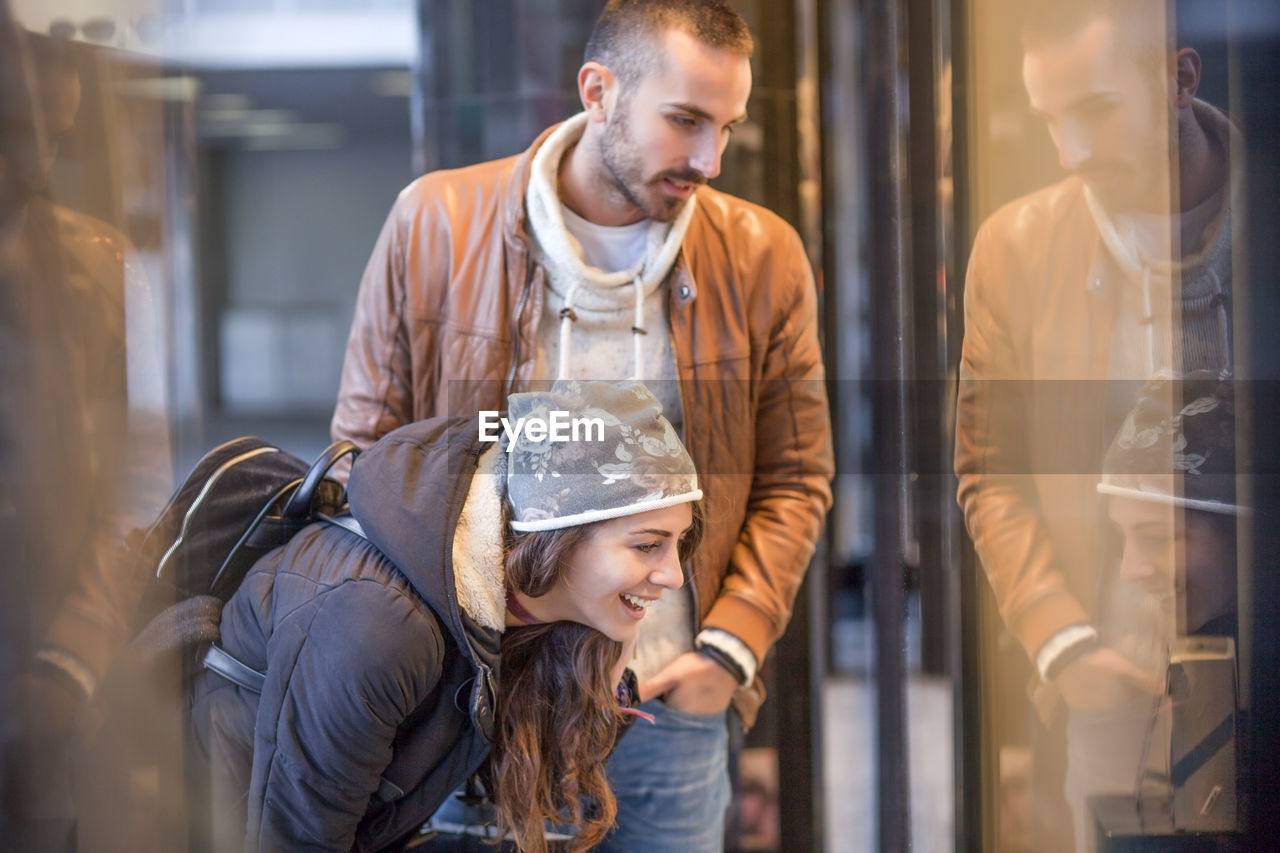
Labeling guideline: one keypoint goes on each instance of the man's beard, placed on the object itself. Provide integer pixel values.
(1125, 187)
(624, 172)
(1122, 189)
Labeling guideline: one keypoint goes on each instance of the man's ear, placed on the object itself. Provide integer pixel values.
(597, 88)
(1186, 77)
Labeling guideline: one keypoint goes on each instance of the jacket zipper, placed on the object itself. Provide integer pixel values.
(483, 672)
(515, 349)
(684, 417)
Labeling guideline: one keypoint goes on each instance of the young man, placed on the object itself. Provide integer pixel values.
(599, 253)
(1074, 295)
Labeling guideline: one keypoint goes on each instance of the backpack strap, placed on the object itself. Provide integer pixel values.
(299, 505)
(216, 659)
(347, 522)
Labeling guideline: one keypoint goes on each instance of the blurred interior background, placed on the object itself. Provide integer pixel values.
(249, 151)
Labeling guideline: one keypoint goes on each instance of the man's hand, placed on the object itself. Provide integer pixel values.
(691, 683)
(1104, 678)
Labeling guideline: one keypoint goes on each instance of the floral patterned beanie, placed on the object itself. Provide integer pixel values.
(1177, 446)
(588, 451)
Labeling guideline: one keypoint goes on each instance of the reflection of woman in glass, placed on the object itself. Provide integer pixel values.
(1169, 486)
(482, 626)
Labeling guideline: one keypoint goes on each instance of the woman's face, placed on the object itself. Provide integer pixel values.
(1179, 556)
(619, 570)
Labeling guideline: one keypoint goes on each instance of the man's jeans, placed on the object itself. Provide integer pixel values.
(671, 780)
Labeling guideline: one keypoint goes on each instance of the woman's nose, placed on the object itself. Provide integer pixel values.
(669, 574)
(1138, 567)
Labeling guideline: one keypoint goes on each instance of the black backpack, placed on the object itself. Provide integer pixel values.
(242, 499)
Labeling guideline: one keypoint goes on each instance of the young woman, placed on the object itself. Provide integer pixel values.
(479, 625)
(1169, 489)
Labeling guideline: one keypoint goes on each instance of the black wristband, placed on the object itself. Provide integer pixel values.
(720, 656)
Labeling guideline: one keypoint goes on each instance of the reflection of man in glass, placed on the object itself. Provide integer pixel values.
(1119, 271)
(1110, 96)
(1169, 487)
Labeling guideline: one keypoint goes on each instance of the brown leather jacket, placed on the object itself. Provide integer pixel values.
(1040, 401)
(446, 323)
(1036, 333)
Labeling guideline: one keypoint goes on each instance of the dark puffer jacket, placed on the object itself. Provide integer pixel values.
(379, 686)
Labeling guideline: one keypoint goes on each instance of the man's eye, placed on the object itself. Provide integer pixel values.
(1155, 543)
(1044, 118)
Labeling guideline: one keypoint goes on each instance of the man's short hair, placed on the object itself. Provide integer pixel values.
(1144, 27)
(628, 32)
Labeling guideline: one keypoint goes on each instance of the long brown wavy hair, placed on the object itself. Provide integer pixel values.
(558, 713)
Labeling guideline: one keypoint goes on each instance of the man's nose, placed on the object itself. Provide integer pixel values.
(669, 574)
(706, 158)
(1074, 148)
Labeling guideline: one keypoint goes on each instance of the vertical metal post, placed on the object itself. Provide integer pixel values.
(800, 660)
(928, 446)
(493, 74)
(1256, 107)
(801, 653)
(425, 89)
(968, 723)
(891, 310)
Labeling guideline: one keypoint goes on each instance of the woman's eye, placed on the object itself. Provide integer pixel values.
(648, 547)
(683, 122)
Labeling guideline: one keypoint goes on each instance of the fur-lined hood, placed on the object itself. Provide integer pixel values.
(428, 495)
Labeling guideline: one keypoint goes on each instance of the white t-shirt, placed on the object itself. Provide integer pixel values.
(667, 629)
(609, 248)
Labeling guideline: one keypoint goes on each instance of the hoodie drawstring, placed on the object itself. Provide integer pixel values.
(568, 316)
(1149, 319)
(637, 330)
(1219, 302)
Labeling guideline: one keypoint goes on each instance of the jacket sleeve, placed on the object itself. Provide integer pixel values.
(343, 673)
(793, 466)
(376, 391)
(996, 489)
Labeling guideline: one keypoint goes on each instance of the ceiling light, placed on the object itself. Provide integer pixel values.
(181, 88)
